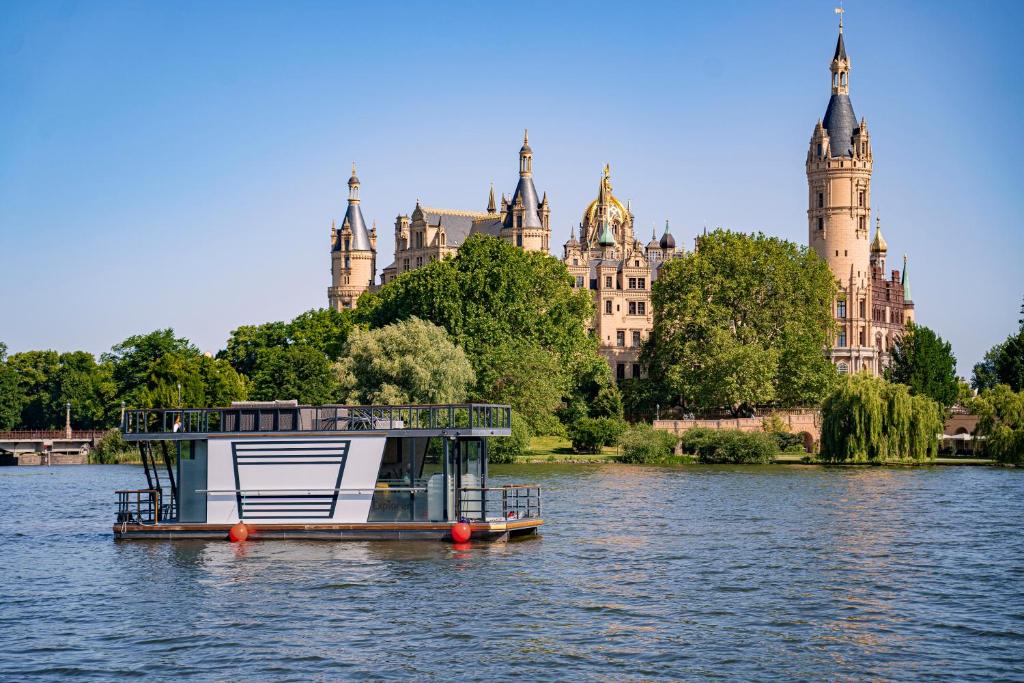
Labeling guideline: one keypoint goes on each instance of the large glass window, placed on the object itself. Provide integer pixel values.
(620, 338)
(841, 309)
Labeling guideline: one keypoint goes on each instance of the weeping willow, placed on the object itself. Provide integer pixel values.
(869, 420)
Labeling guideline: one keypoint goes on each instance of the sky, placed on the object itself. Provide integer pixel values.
(179, 164)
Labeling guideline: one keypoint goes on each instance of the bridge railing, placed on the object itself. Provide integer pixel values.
(58, 434)
(481, 418)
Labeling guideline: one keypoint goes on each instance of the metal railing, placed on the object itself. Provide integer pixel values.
(139, 506)
(508, 503)
(332, 418)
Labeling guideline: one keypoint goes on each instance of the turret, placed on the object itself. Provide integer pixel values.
(354, 253)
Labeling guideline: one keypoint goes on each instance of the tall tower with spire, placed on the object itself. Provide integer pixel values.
(353, 253)
(839, 162)
(526, 219)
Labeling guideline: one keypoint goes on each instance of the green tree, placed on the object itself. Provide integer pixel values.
(867, 419)
(246, 342)
(492, 297)
(323, 329)
(295, 372)
(11, 395)
(1001, 423)
(133, 360)
(89, 388)
(924, 362)
(411, 361)
(527, 377)
(34, 369)
(985, 375)
(742, 320)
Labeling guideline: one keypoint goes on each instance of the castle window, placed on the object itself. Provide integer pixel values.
(862, 337)
(821, 223)
(519, 240)
(346, 244)
(620, 340)
(641, 308)
(636, 341)
(641, 283)
(608, 281)
(843, 368)
(636, 369)
(820, 150)
(593, 283)
(579, 281)
(847, 253)
(575, 261)
(419, 240)
(861, 198)
(608, 307)
(620, 371)
(632, 308)
(821, 200)
(348, 262)
(636, 263)
(863, 307)
(419, 261)
(863, 223)
(632, 283)
(840, 309)
(442, 239)
(405, 264)
(841, 342)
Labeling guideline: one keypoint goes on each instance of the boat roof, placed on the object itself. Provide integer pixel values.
(460, 420)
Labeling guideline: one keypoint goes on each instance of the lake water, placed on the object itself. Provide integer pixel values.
(786, 572)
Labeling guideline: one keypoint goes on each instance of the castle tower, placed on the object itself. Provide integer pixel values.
(839, 161)
(525, 219)
(353, 253)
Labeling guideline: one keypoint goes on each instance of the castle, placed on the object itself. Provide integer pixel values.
(608, 258)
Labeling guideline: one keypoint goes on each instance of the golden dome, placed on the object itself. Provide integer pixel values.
(617, 212)
(878, 245)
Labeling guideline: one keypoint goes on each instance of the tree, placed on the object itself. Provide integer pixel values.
(133, 361)
(89, 388)
(867, 419)
(1001, 423)
(924, 362)
(743, 320)
(11, 396)
(492, 297)
(985, 375)
(323, 329)
(296, 372)
(246, 342)
(411, 361)
(34, 369)
(527, 377)
(1004, 363)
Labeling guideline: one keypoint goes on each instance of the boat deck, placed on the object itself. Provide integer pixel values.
(359, 531)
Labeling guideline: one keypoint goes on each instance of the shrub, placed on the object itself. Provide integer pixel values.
(112, 448)
(730, 446)
(643, 444)
(504, 450)
(788, 443)
(1001, 413)
(589, 434)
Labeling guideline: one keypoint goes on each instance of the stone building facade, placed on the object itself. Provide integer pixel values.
(610, 261)
(870, 310)
(431, 234)
(353, 253)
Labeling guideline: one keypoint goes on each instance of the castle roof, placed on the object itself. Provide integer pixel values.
(841, 124)
(526, 191)
(840, 48)
(458, 225)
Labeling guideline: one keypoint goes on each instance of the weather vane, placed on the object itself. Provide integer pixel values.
(840, 11)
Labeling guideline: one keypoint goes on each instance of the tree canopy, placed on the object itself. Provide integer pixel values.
(867, 419)
(296, 372)
(925, 363)
(410, 361)
(11, 396)
(1001, 422)
(742, 321)
(1004, 362)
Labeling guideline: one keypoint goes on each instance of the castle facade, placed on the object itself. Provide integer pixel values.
(871, 310)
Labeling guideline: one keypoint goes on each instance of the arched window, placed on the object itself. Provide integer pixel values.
(843, 368)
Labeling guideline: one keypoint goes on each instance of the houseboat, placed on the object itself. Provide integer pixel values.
(282, 470)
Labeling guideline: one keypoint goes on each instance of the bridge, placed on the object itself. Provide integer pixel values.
(42, 447)
(805, 423)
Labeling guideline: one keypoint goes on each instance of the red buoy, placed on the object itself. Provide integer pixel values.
(461, 532)
(238, 533)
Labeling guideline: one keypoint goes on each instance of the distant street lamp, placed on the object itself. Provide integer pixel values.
(179, 394)
(67, 420)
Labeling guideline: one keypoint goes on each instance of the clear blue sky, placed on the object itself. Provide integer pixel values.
(179, 164)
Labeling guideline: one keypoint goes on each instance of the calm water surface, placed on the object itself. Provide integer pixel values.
(787, 573)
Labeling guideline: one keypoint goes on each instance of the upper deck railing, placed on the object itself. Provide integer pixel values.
(463, 419)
